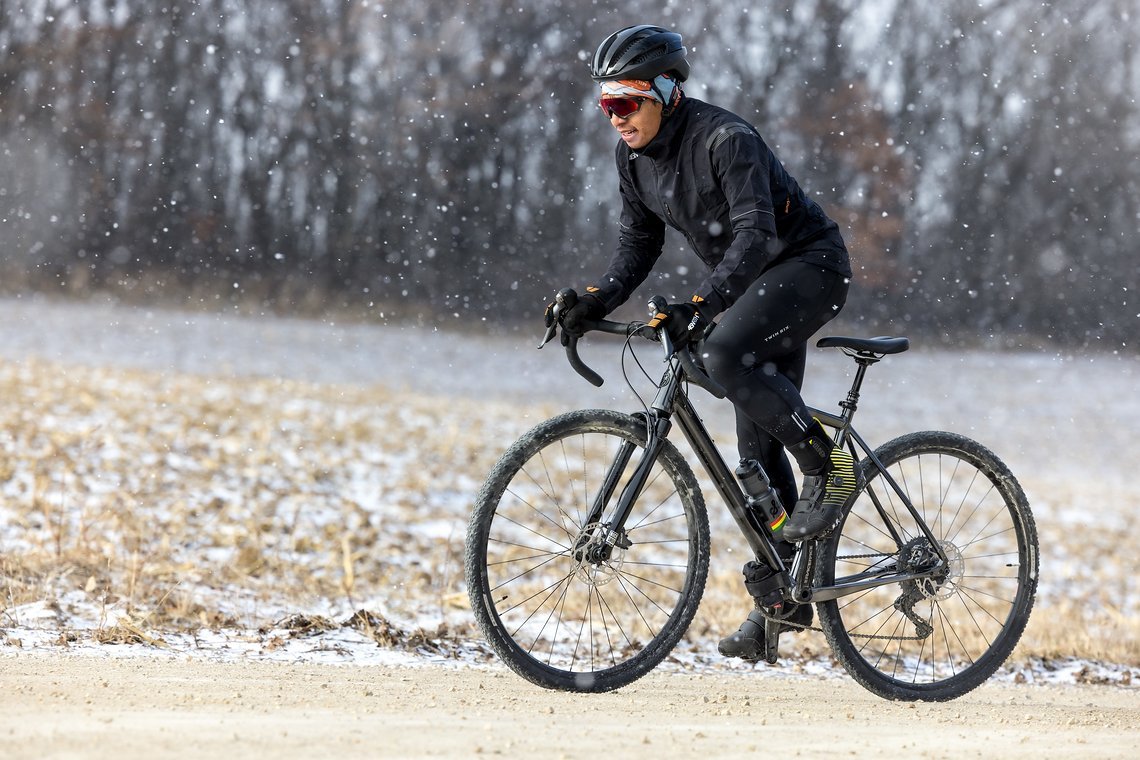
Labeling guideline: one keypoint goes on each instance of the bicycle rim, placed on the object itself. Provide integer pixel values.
(562, 609)
(938, 638)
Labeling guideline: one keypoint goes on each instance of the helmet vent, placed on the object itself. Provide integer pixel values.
(648, 55)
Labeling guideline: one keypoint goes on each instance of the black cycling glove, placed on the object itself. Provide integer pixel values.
(684, 323)
(589, 308)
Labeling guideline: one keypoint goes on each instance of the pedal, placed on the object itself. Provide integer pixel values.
(771, 641)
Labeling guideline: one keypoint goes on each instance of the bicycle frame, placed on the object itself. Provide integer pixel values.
(671, 402)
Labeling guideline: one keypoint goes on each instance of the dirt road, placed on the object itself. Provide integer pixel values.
(66, 706)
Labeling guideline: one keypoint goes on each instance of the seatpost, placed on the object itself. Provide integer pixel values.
(851, 403)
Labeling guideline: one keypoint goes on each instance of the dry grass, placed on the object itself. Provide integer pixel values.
(180, 502)
(193, 502)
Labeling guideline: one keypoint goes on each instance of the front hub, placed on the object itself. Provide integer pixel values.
(599, 554)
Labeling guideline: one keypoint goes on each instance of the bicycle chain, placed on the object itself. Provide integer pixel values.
(906, 608)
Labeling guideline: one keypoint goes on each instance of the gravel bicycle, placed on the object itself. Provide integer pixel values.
(588, 546)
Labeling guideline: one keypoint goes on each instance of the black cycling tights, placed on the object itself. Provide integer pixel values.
(757, 352)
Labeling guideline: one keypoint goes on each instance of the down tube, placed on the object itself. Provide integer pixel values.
(725, 481)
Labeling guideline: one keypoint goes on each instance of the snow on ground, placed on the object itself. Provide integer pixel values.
(1056, 417)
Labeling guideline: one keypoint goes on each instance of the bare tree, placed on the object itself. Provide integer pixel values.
(446, 160)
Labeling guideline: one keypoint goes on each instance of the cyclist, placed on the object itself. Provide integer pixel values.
(778, 270)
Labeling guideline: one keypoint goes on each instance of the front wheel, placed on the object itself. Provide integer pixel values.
(566, 601)
(937, 637)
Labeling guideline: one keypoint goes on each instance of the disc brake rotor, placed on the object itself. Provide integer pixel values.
(945, 584)
(918, 555)
(598, 555)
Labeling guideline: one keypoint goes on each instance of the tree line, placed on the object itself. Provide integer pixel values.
(446, 160)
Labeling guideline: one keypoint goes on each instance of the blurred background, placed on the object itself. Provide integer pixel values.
(443, 162)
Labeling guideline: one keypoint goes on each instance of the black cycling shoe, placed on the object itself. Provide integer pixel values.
(824, 495)
(748, 641)
(812, 520)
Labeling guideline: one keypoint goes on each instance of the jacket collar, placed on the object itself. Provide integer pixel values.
(666, 142)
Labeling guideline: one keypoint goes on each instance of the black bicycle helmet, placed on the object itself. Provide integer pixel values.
(640, 52)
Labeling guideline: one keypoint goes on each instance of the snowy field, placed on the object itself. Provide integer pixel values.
(197, 485)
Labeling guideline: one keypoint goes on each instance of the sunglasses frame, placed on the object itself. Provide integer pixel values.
(610, 113)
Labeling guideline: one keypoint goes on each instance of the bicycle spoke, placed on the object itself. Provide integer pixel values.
(529, 529)
(524, 573)
(559, 525)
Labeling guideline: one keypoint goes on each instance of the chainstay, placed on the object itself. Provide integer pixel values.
(907, 612)
(773, 618)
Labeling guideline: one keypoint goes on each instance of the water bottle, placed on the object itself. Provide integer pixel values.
(761, 496)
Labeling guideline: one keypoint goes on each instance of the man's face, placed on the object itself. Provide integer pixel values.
(641, 126)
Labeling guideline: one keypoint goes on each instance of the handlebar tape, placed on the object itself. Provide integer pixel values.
(692, 372)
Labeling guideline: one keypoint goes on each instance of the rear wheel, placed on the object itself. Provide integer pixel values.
(567, 603)
(938, 637)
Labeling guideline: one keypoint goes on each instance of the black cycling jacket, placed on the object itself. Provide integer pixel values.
(709, 175)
